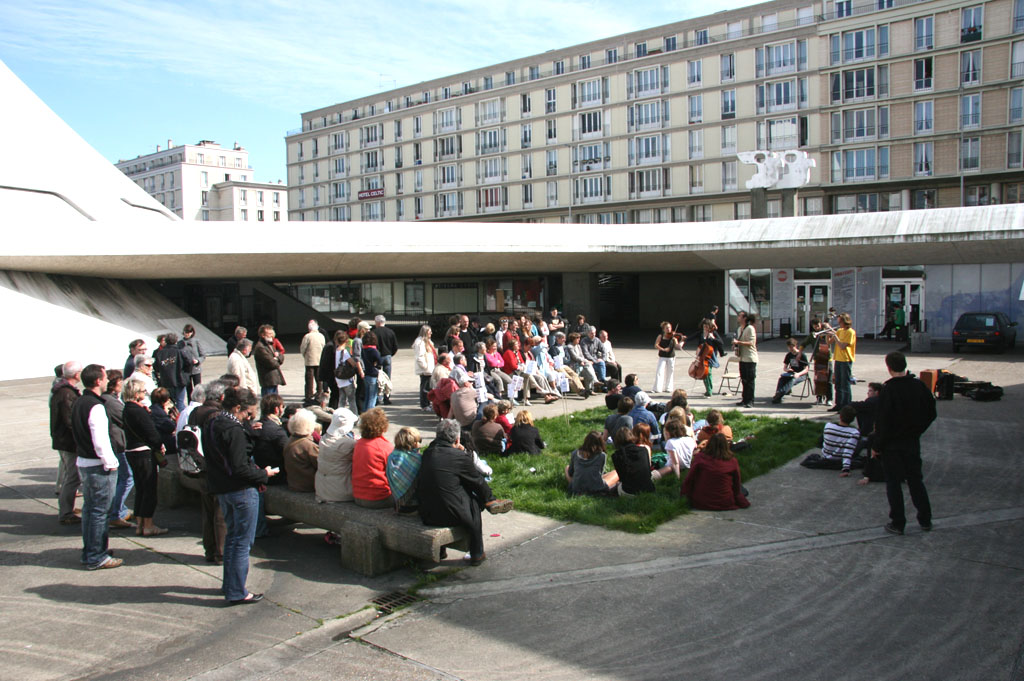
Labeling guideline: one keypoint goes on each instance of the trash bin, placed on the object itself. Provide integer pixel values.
(786, 328)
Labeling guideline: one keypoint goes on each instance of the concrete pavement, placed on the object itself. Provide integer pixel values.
(804, 584)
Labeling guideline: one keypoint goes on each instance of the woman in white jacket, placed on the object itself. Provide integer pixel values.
(426, 356)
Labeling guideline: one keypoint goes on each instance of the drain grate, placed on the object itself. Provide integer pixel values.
(390, 602)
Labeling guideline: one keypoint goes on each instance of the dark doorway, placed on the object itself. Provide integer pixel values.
(619, 298)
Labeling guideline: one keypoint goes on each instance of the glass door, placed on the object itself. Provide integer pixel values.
(812, 300)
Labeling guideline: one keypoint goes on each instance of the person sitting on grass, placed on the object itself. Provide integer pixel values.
(620, 419)
(632, 388)
(403, 467)
(714, 482)
(524, 436)
(504, 409)
(642, 433)
(488, 435)
(679, 447)
(838, 444)
(585, 472)
(632, 464)
(716, 424)
(614, 394)
(641, 414)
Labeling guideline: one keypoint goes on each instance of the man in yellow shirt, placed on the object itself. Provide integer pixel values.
(844, 345)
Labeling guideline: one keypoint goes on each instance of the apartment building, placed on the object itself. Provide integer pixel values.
(205, 181)
(901, 103)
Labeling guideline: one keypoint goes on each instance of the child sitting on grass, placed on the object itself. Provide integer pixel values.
(585, 472)
(679, 446)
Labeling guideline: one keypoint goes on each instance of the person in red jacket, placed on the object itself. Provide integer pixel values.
(369, 461)
(714, 482)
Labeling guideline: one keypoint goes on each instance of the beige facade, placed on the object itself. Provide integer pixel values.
(895, 100)
(205, 181)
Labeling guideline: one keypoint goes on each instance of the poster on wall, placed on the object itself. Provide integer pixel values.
(844, 291)
(783, 301)
(869, 292)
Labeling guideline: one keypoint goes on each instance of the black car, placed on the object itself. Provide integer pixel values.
(984, 330)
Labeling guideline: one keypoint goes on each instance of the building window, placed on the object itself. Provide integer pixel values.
(670, 43)
(700, 36)
(694, 72)
(923, 73)
(924, 35)
(510, 78)
(647, 182)
(549, 100)
(970, 111)
(1013, 150)
(970, 24)
(697, 179)
(526, 135)
(647, 82)
(696, 108)
(611, 56)
(813, 205)
(417, 126)
(558, 67)
(970, 67)
(205, 198)
(277, 216)
(741, 210)
(206, 215)
(1017, 59)
(1018, 16)
(728, 139)
(647, 115)
(781, 58)
(551, 131)
(923, 198)
(590, 92)
(856, 203)
(590, 123)
(728, 176)
(923, 117)
(728, 104)
(728, 66)
(534, 72)
(204, 179)
(1016, 105)
(552, 161)
(702, 213)
(527, 196)
(259, 216)
(970, 153)
(552, 194)
(527, 166)
(584, 61)
(245, 214)
(641, 49)
(696, 145)
(774, 208)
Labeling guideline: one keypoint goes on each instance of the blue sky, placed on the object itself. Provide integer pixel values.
(129, 75)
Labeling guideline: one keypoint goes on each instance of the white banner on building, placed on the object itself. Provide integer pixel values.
(844, 291)
(783, 301)
(869, 293)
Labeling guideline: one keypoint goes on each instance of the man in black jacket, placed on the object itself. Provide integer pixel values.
(387, 346)
(452, 491)
(905, 410)
(173, 368)
(63, 395)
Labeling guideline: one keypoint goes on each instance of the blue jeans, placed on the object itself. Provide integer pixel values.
(179, 395)
(261, 518)
(599, 369)
(240, 510)
(385, 364)
(272, 390)
(371, 392)
(842, 373)
(125, 482)
(97, 492)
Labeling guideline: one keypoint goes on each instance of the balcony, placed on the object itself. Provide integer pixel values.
(924, 42)
(923, 126)
(922, 83)
(970, 163)
(970, 120)
(1013, 159)
(970, 34)
(1017, 69)
(552, 169)
(1016, 114)
(780, 66)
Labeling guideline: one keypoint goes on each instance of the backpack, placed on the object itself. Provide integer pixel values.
(190, 452)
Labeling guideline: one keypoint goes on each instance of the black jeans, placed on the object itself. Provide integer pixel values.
(424, 389)
(903, 462)
(748, 373)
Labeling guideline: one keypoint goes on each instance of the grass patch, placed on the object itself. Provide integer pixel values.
(544, 491)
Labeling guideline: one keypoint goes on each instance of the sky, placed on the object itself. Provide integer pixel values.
(129, 75)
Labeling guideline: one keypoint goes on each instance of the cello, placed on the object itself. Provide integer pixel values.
(699, 366)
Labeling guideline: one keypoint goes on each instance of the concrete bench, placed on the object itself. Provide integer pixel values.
(372, 541)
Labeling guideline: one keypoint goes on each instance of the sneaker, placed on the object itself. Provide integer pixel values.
(107, 564)
(251, 598)
(892, 529)
(495, 506)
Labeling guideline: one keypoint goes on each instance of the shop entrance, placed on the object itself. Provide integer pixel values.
(812, 300)
(902, 308)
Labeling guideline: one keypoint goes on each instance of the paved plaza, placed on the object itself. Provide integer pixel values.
(802, 585)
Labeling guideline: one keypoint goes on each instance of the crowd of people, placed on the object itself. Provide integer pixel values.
(114, 429)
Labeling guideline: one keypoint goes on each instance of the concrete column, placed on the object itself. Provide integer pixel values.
(788, 203)
(758, 203)
(579, 296)
(904, 199)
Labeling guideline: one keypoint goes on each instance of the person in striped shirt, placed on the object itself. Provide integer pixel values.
(838, 444)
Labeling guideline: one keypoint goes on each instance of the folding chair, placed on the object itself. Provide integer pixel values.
(730, 377)
(805, 391)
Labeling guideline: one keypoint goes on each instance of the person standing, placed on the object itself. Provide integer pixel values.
(240, 333)
(62, 399)
(268, 361)
(371, 367)
(845, 344)
(234, 479)
(119, 513)
(426, 358)
(387, 346)
(709, 337)
(666, 344)
(311, 348)
(173, 369)
(906, 408)
(239, 366)
(821, 354)
(746, 347)
(136, 347)
(195, 354)
(97, 468)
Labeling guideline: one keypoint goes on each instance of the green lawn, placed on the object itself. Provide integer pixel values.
(544, 491)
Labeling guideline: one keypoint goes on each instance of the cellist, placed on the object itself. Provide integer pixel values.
(821, 356)
(709, 349)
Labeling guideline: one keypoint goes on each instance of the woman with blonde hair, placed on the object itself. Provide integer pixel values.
(426, 357)
(524, 436)
(145, 453)
(402, 468)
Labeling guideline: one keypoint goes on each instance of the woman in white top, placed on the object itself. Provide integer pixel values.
(426, 357)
